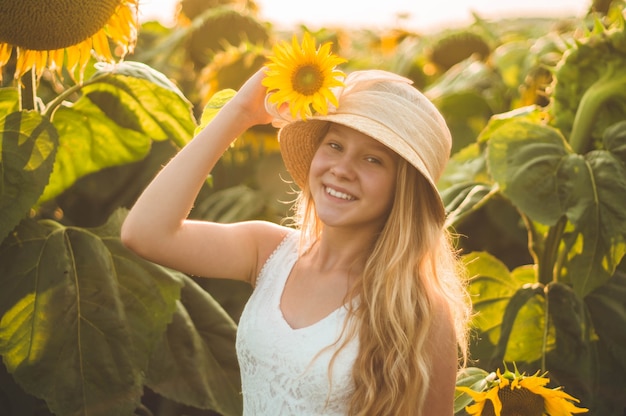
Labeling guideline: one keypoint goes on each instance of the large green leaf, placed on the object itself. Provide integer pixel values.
(9, 101)
(80, 315)
(213, 106)
(539, 173)
(463, 199)
(607, 310)
(121, 112)
(148, 291)
(467, 165)
(139, 97)
(473, 377)
(466, 113)
(28, 143)
(523, 334)
(465, 185)
(534, 168)
(471, 75)
(509, 308)
(88, 142)
(571, 360)
(195, 362)
(614, 140)
(598, 243)
(491, 287)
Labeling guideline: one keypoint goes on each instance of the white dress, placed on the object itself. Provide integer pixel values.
(278, 371)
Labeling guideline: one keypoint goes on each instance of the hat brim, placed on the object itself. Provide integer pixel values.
(299, 141)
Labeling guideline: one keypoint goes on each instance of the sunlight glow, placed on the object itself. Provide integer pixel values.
(409, 14)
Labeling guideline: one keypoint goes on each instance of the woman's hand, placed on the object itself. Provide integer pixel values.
(249, 102)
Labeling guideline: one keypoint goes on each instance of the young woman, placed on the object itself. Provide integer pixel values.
(360, 308)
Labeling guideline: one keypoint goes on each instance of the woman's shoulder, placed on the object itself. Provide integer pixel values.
(271, 240)
(269, 235)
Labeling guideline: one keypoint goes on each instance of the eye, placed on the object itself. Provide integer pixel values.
(372, 159)
(334, 145)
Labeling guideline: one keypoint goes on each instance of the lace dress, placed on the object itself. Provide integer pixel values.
(280, 372)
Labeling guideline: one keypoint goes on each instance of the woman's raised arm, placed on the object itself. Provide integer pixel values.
(157, 227)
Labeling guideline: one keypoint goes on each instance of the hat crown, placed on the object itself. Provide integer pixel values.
(409, 122)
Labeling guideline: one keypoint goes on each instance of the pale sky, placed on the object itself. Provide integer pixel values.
(423, 14)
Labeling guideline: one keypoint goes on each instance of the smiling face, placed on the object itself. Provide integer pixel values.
(352, 180)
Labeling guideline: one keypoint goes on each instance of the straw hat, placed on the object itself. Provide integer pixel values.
(384, 106)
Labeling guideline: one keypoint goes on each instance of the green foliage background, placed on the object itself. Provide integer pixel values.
(536, 190)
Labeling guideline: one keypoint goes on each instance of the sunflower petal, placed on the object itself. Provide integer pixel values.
(5, 53)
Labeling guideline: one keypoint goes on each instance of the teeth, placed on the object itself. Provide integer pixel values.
(338, 194)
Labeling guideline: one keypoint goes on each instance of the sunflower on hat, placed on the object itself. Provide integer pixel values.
(57, 33)
(513, 394)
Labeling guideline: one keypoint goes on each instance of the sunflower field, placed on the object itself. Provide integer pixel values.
(92, 104)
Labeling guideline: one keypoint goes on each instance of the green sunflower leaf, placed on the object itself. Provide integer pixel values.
(491, 287)
(217, 101)
(467, 165)
(88, 142)
(463, 199)
(523, 327)
(607, 309)
(139, 71)
(572, 358)
(28, 144)
(9, 101)
(138, 97)
(536, 169)
(473, 377)
(467, 113)
(115, 123)
(79, 316)
(195, 362)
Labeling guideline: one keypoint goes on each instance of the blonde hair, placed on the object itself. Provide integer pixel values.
(410, 269)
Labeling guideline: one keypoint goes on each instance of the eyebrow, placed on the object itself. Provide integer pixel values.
(378, 146)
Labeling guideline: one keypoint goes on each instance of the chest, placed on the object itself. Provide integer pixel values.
(308, 297)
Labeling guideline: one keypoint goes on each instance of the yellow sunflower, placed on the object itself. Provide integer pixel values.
(302, 76)
(47, 34)
(514, 394)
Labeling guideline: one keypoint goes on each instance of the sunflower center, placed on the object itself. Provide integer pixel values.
(307, 80)
(52, 24)
(516, 402)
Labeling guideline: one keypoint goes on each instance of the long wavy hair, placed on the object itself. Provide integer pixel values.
(410, 269)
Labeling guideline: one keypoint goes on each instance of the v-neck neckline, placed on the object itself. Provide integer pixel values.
(279, 306)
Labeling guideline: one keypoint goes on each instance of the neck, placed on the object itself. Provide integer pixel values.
(338, 250)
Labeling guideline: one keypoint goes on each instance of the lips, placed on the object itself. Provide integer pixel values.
(338, 194)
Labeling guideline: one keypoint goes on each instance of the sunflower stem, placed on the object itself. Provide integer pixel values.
(56, 103)
(546, 323)
(546, 267)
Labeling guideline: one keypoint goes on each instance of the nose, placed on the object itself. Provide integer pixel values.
(343, 167)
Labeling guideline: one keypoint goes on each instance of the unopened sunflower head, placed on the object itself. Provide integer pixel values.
(302, 77)
(512, 394)
(56, 33)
